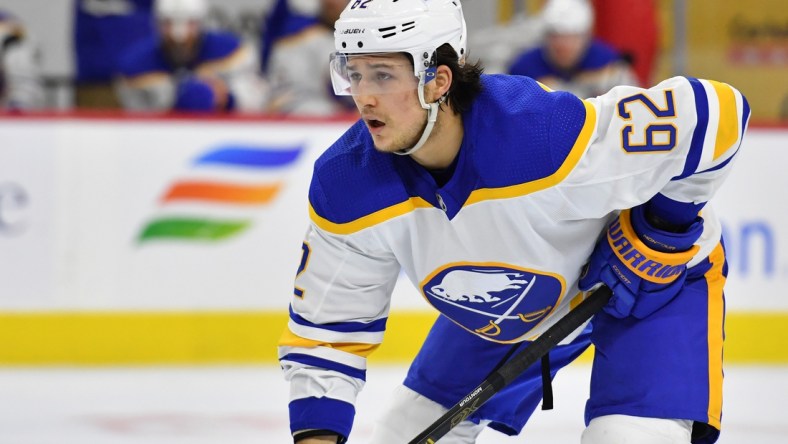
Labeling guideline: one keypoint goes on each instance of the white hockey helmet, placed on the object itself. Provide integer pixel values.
(181, 16)
(180, 10)
(568, 16)
(416, 27)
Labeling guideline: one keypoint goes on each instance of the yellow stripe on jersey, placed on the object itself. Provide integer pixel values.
(544, 87)
(715, 281)
(581, 143)
(728, 128)
(370, 219)
(290, 339)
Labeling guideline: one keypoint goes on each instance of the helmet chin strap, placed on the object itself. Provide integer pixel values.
(432, 116)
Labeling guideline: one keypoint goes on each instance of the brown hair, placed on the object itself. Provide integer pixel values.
(466, 81)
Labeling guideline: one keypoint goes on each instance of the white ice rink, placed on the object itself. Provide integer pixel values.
(200, 405)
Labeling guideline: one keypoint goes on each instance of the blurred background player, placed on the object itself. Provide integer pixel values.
(20, 74)
(570, 58)
(299, 38)
(186, 67)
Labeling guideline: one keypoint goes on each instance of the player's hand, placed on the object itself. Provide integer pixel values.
(644, 267)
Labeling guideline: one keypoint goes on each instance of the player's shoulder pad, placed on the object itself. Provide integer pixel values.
(217, 45)
(522, 132)
(142, 58)
(531, 63)
(599, 55)
(352, 180)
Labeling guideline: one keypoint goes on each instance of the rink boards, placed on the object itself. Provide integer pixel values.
(172, 240)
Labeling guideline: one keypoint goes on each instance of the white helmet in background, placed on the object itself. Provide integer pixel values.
(180, 23)
(568, 16)
(178, 10)
(181, 16)
(412, 26)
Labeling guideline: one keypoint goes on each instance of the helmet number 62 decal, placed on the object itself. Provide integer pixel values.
(361, 4)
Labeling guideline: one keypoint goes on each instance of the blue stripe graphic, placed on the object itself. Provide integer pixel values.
(251, 156)
(696, 146)
(325, 363)
(375, 326)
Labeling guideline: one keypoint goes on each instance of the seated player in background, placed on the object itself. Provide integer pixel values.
(570, 58)
(186, 67)
(20, 71)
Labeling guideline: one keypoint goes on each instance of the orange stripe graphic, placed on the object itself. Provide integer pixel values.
(211, 191)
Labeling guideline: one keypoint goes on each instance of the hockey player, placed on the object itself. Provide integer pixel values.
(188, 68)
(570, 58)
(504, 202)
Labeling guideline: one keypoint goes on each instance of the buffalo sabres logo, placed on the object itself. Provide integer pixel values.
(497, 301)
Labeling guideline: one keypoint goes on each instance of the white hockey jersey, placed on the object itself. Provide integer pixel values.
(498, 249)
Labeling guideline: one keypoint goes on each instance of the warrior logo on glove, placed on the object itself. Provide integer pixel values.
(643, 265)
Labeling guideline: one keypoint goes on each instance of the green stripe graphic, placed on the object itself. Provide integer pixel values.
(192, 229)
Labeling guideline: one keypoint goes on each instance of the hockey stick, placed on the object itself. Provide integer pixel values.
(515, 367)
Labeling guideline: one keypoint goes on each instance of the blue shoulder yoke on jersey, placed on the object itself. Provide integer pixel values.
(515, 133)
(147, 56)
(217, 45)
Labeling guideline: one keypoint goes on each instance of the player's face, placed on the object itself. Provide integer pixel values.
(385, 92)
(566, 50)
(180, 38)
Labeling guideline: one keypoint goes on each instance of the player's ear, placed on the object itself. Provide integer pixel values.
(442, 82)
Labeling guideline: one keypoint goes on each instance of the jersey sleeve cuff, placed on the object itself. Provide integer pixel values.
(672, 211)
(322, 413)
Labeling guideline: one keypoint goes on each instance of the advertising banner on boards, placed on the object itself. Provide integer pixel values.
(160, 215)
